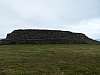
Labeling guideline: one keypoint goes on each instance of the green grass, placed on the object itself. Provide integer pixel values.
(51, 59)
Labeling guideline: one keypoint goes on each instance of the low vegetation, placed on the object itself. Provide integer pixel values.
(50, 59)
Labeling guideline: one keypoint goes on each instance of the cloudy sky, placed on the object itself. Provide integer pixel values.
(70, 15)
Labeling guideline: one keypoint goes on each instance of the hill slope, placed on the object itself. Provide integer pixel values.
(56, 59)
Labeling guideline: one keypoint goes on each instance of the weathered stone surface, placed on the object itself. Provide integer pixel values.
(46, 36)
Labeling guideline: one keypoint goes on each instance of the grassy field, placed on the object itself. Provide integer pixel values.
(51, 59)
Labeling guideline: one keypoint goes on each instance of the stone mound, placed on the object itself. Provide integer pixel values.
(46, 36)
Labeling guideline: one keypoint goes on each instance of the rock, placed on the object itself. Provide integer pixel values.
(46, 36)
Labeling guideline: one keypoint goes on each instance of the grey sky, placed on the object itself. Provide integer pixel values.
(73, 15)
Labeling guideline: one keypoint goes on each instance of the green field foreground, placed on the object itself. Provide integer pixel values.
(50, 59)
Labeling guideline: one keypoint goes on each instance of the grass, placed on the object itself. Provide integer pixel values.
(50, 59)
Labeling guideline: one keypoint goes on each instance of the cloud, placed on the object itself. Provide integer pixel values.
(58, 10)
(73, 15)
(90, 27)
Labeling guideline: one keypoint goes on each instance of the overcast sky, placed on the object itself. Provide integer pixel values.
(70, 15)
